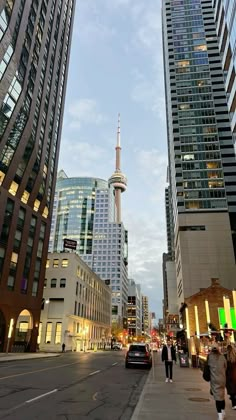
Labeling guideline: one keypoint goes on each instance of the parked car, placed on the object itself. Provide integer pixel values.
(138, 354)
(117, 346)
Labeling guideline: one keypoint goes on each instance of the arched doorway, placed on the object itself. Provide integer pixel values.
(23, 331)
(2, 330)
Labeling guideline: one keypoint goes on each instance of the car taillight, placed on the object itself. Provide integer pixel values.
(147, 354)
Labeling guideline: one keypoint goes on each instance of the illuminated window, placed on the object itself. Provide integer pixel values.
(183, 63)
(25, 197)
(13, 188)
(24, 326)
(55, 263)
(188, 157)
(212, 165)
(184, 106)
(47, 263)
(36, 205)
(200, 47)
(45, 212)
(14, 259)
(48, 333)
(65, 263)
(58, 333)
(215, 184)
(2, 176)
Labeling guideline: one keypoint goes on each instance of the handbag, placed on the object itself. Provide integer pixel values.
(206, 372)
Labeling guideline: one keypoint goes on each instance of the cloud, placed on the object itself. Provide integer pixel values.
(79, 158)
(84, 111)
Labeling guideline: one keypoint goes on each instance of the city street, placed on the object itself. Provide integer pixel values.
(72, 386)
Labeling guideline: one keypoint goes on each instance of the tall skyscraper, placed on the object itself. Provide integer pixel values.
(35, 39)
(202, 168)
(225, 16)
(85, 210)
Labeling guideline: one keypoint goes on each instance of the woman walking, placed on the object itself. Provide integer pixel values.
(231, 375)
(218, 364)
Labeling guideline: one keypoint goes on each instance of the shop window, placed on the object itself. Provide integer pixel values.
(58, 333)
(48, 333)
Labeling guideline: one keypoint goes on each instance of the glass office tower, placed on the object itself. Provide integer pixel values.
(35, 39)
(202, 168)
(84, 210)
(225, 16)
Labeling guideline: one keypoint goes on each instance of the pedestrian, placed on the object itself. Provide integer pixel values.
(63, 347)
(217, 364)
(231, 374)
(168, 356)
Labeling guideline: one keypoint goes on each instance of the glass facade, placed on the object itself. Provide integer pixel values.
(199, 137)
(201, 199)
(35, 41)
(84, 210)
(225, 16)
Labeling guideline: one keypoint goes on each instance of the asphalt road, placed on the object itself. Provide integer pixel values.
(91, 386)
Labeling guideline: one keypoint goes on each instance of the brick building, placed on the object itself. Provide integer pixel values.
(207, 307)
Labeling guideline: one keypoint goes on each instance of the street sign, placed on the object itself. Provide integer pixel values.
(69, 243)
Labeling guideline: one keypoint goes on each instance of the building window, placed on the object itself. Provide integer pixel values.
(24, 326)
(55, 263)
(65, 263)
(48, 333)
(45, 283)
(76, 291)
(53, 283)
(62, 282)
(58, 333)
(47, 263)
(10, 282)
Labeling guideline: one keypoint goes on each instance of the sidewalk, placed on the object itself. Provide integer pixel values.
(9, 357)
(188, 397)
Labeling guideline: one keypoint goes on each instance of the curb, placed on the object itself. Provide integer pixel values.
(141, 398)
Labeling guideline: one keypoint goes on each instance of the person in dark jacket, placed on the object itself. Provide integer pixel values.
(231, 375)
(168, 356)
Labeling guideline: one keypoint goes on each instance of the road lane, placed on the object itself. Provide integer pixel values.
(92, 386)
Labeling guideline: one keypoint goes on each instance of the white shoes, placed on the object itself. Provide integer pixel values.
(234, 408)
(171, 381)
(220, 416)
(167, 380)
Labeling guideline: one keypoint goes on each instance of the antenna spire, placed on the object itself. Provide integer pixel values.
(118, 132)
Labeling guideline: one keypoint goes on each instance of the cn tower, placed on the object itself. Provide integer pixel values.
(118, 179)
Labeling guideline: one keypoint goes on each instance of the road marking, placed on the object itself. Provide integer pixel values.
(94, 373)
(36, 371)
(116, 363)
(41, 396)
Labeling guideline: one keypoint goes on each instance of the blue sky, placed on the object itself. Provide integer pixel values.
(116, 66)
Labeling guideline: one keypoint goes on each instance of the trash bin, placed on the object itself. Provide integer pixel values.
(183, 360)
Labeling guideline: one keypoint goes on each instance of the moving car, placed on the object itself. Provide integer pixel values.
(138, 354)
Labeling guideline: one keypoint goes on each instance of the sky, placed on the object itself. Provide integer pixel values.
(116, 67)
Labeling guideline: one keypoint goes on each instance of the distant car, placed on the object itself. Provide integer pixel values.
(117, 346)
(138, 354)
